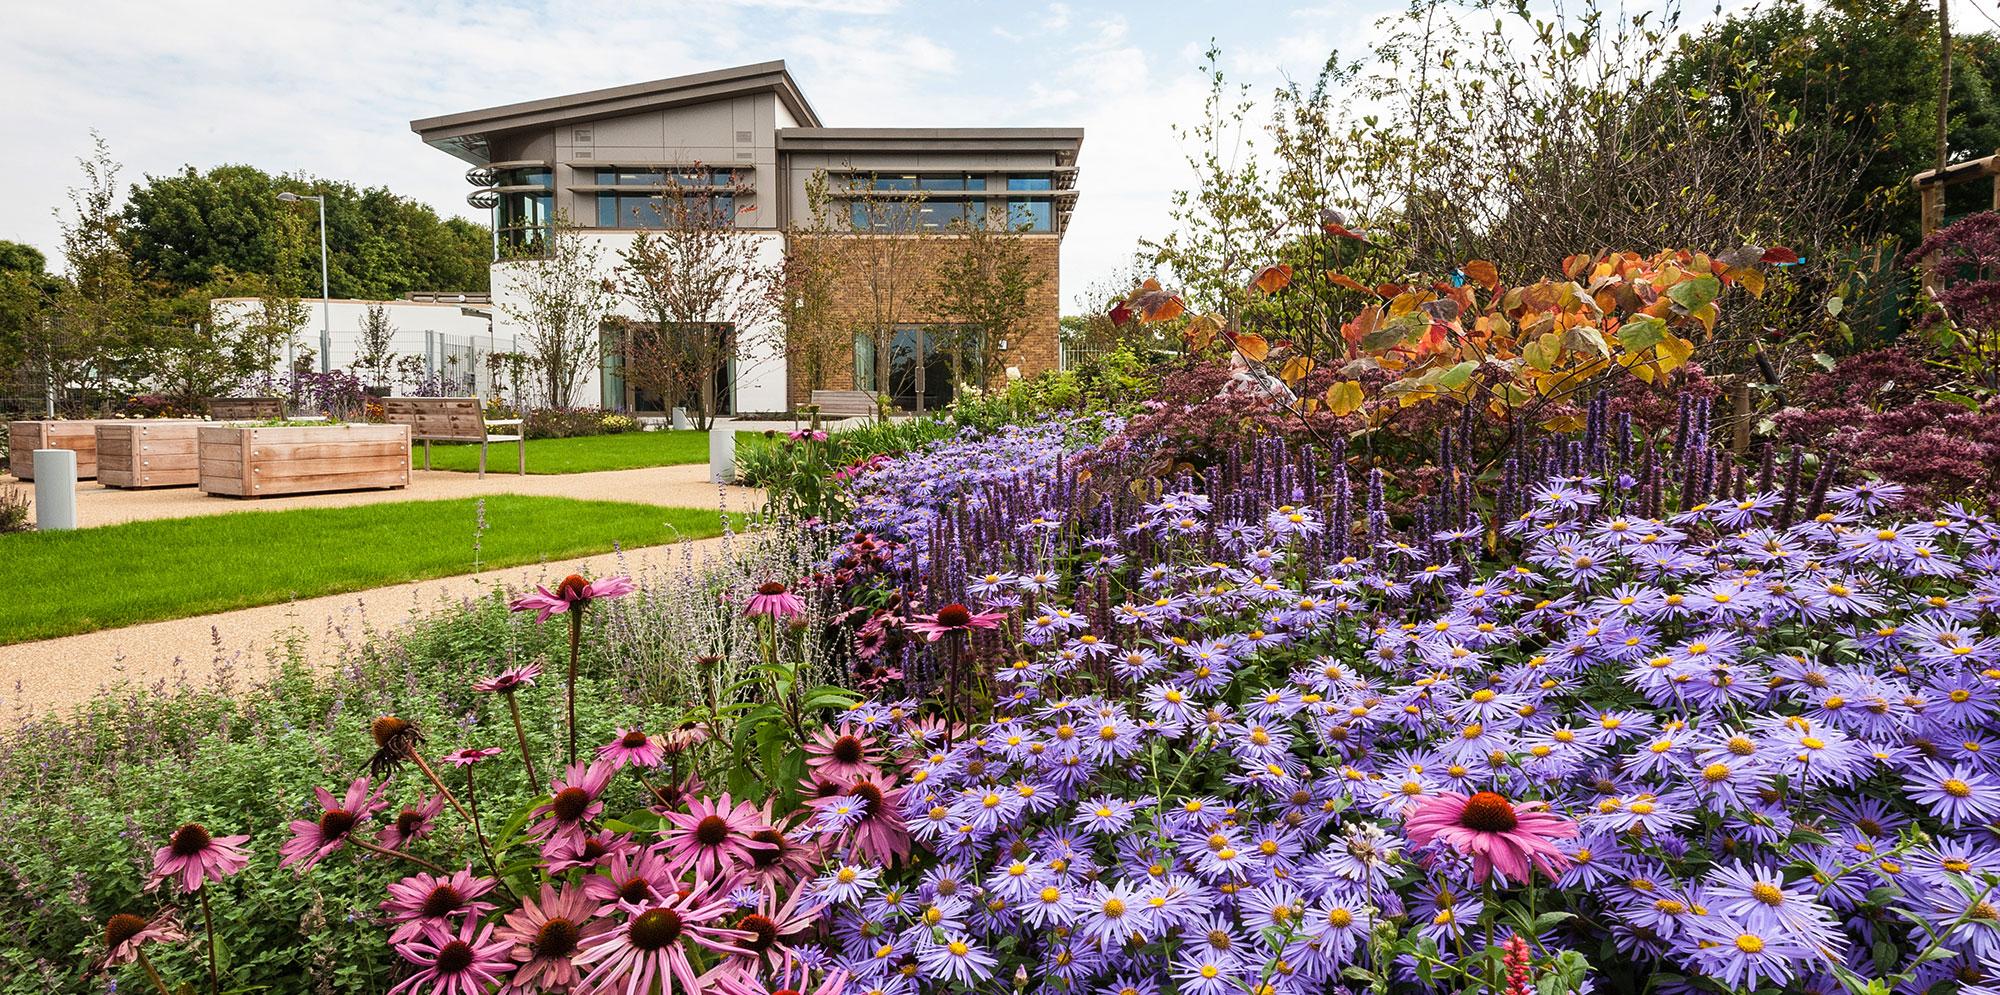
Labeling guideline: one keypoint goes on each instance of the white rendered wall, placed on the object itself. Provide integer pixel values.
(760, 350)
(410, 320)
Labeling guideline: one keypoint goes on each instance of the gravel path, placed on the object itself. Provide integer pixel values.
(685, 486)
(59, 673)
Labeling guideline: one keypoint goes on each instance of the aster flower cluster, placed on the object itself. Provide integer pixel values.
(1721, 734)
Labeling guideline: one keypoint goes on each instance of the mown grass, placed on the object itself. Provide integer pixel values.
(584, 454)
(61, 583)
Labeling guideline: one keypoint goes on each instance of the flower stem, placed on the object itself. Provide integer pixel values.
(514, 707)
(208, 922)
(395, 854)
(472, 799)
(575, 641)
(147, 963)
(425, 766)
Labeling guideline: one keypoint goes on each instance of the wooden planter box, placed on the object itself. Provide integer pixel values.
(299, 459)
(78, 434)
(147, 453)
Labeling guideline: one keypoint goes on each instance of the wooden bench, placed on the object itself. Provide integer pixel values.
(844, 403)
(454, 419)
(246, 408)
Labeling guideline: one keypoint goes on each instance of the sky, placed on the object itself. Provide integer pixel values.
(329, 89)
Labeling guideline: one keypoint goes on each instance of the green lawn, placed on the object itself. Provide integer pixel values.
(627, 451)
(59, 583)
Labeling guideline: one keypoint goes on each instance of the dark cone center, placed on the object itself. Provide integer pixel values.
(190, 840)
(442, 901)
(1489, 813)
(569, 804)
(454, 958)
(711, 831)
(122, 927)
(655, 929)
(955, 616)
(847, 750)
(557, 938)
(763, 932)
(335, 823)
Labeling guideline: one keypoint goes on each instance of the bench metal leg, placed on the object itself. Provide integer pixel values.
(482, 459)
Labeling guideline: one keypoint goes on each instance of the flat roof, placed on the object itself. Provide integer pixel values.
(463, 134)
(929, 139)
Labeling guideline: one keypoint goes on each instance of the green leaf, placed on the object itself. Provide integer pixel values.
(1585, 338)
(1825, 361)
(1692, 294)
(1641, 332)
(1457, 376)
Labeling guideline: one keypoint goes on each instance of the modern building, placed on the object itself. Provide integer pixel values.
(744, 145)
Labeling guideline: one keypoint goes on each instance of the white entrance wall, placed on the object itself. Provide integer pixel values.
(422, 328)
(760, 351)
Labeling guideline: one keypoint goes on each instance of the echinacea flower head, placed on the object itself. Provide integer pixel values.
(547, 932)
(396, 740)
(471, 755)
(632, 746)
(426, 905)
(510, 680)
(953, 618)
(575, 798)
(573, 595)
(467, 962)
(653, 943)
(776, 600)
(712, 837)
(842, 754)
(412, 823)
(125, 933)
(313, 840)
(193, 856)
(1493, 831)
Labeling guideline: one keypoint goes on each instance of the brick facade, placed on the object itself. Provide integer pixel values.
(855, 306)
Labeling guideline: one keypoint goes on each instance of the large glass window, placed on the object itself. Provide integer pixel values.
(1030, 215)
(1040, 182)
(926, 364)
(524, 176)
(524, 219)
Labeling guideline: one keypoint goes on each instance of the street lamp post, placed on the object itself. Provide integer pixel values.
(325, 299)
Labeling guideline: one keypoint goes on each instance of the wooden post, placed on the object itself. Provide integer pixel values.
(1740, 399)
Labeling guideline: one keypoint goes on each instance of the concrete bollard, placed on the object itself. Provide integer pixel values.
(681, 422)
(55, 489)
(721, 451)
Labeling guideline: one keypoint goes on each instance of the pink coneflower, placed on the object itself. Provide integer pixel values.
(953, 618)
(461, 964)
(194, 856)
(396, 740)
(776, 600)
(712, 836)
(684, 737)
(411, 824)
(471, 755)
(574, 800)
(651, 943)
(881, 837)
(574, 594)
(634, 877)
(770, 925)
(785, 861)
(424, 905)
(510, 680)
(547, 933)
(314, 840)
(594, 851)
(1493, 832)
(632, 746)
(125, 933)
(842, 756)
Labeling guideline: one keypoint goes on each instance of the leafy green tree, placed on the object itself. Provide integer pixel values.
(980, 292)
(185, 228)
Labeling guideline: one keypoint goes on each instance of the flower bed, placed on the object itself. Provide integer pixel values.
(1241, 732)
(261, 461)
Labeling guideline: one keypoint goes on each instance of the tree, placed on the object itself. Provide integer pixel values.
(699, 284)
(980, 294)
(98, 313)
(185, 228)
(566, 300)
(280, 313)
(374, 357)
(816, 341)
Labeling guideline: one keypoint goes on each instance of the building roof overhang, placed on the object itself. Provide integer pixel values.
(465, 133)
(1063, 142)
